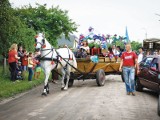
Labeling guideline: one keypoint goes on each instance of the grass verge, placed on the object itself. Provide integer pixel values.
(10, 89)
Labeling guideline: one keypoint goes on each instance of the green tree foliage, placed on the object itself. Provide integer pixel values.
(12, 29)
(120, 43)
(20, 25)
(135, 45)
(54, 22)
(5, 16)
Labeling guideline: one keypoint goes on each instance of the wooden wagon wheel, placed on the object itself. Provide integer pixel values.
(100, 77)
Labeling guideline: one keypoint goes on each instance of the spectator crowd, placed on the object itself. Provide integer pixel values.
(20, 62)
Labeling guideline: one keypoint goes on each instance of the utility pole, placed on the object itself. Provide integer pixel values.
(145, 34)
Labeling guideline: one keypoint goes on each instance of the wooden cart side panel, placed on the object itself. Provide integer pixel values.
(85, 66)
(107, 67)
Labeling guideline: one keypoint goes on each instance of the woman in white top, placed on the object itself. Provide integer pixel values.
(85, 47)
(140, 56)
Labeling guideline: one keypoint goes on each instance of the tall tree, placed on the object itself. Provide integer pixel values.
(54, 22)
(5, 15)
(12, 29)
(136, 45)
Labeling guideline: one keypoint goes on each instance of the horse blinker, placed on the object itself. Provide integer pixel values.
(44, 45)
(43, 40)
(35, 40)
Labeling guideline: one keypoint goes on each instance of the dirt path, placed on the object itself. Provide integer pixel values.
(84, 101)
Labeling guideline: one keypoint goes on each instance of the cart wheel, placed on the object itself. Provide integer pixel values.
(100, 77)
(159, 105)
(70, 83)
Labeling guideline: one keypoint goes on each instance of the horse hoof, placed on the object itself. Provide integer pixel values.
(44, 94)
(47, 92)
(62, 88)
(65, 89)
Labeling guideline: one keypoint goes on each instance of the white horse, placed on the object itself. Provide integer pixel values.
(62, 59)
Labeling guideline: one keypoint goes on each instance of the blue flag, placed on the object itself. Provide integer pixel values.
(127, 36)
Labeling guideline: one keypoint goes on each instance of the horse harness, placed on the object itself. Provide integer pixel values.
(55, 60)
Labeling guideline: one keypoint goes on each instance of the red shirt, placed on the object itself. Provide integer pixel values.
(11, 56)
(25, 60)
(129, 58)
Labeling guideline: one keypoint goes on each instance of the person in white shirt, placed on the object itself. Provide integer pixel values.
(117, 52)
(84, 50)
(114, 49)
(85, 47)
(140, 56)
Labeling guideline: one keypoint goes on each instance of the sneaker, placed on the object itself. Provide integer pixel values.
(128, 93)
(133, 94)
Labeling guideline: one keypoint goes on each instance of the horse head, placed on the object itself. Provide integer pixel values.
(40, 42)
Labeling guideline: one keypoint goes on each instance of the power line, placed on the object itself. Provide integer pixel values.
(157, 15)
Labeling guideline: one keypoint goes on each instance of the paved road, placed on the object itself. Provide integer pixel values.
(84, 101)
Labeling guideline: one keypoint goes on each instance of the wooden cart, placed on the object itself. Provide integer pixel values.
(87, 69)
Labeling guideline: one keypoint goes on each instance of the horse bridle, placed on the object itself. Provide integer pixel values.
(43, 45)
(51, 50)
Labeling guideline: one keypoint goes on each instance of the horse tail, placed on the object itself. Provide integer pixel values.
(74, 63)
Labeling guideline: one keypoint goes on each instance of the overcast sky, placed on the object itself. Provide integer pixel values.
(110, 16)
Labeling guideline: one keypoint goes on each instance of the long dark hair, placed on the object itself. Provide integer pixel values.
(30, 53)
(86, 43)
(110, 50)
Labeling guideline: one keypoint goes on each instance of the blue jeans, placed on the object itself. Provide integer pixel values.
(30, 70)
(129, 78)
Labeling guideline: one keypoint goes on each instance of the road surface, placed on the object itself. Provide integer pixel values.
(84, 101)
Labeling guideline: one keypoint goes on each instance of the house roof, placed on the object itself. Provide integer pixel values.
(155, 40)
(69, 42)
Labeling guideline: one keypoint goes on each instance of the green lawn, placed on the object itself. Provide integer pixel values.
(9, 88)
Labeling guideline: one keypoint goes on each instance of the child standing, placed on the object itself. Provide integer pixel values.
(19, 71)
(24, 63)
(30, 66)
(37, 71)
(38, 66)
